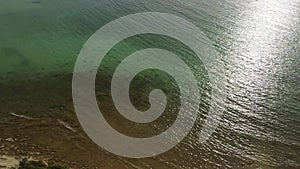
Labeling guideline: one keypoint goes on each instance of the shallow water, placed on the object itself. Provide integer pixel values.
(258, 41)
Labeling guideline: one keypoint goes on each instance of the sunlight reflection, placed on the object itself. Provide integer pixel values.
(259, 43)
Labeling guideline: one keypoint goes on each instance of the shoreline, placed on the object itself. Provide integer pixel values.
(43, 125)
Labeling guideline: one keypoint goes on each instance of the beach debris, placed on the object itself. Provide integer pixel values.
(67, 126)
(126, 162)
(24, 139)
(22, 116)
(30, 164)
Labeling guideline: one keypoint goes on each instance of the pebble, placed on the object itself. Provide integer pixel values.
(10, 139)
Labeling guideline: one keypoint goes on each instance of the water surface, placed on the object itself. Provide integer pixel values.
(258, 41)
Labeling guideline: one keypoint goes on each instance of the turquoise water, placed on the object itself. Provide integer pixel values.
(258, 41)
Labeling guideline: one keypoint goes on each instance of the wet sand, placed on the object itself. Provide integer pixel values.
(38, 120)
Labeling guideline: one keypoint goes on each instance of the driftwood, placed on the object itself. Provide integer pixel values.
(22, 116)
(67, 126)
